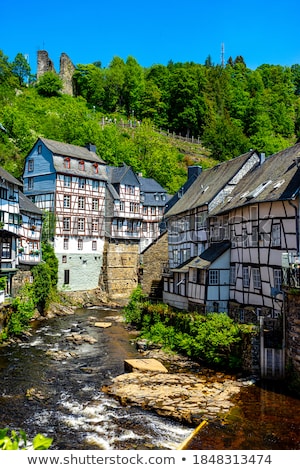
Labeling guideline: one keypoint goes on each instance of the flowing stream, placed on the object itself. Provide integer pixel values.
(62, 398)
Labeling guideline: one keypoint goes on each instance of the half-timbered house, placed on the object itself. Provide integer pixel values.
(262, 220)
(30, 231)
(189, 235)
(9, 226)
(153, 201)
(69, 182)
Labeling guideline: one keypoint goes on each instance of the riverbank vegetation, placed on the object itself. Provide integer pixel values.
(32, 296)
(214, 338)
(18, 440)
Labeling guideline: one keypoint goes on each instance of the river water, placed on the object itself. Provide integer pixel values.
(63, 398)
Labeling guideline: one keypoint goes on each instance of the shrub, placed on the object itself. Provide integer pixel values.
(13, 440)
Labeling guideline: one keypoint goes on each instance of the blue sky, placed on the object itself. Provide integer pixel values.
(153, 32)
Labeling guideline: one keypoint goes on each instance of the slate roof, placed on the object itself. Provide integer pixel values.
(26, 205)
(278, 178)
(8, 177)
(151, 188)
(70, 150)
(209, 183)
(206, 258)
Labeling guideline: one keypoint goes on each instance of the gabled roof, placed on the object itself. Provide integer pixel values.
(70, 150)
(154, 194)
(150, 185)
(117, 174)
(8, 177)
(209, 184)
(26, 205)
(277, 179)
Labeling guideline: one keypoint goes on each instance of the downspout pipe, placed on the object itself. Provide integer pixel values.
(297, 224)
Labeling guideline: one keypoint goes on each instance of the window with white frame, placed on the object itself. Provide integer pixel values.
(94, 245)
(201, 220)
(66, 243)
(122, 206)
(276, 235)
(213, 277)
(67, 201)
(185, 254)
(95, 185)
(81, 202)
(95, 225)
(30, 165)
(95, 204)
(246, 277)
(256, 278)
(81, 183)
(81, 223)
(67, 181)
(30, 183)
(277, 278)
(232, 278)
(66, 223)
(254, 236)
(80, 244)
(175, 257)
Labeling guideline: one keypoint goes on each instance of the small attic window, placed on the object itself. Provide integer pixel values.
(39, 149)
(96, 168)
(278, 184)
(259, 189)
(67, 162)
(81, 165)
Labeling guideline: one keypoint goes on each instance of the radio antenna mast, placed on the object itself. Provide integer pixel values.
(222, 54)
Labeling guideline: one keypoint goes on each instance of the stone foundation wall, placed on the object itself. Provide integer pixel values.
(153, 259)
(120, 269)
(293, 332)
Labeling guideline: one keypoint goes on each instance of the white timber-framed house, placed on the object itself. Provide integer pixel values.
(194, 279)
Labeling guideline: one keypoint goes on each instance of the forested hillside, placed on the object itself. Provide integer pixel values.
(231, 109)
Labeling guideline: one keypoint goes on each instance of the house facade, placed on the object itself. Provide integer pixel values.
(194, 278)
(69, 182)
(236, 252)
(95, 215)
(20, 231)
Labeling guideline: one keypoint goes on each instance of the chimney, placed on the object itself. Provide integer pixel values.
(91, 147)
(262, 157)
(194, 171)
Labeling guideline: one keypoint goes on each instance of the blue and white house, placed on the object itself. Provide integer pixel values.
(68, 183)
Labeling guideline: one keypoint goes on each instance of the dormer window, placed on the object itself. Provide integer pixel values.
(95, 165)
(81, 165)
(67, 163)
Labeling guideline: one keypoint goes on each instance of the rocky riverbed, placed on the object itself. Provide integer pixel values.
(186, 392)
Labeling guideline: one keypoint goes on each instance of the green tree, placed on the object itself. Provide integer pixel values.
(49, 84)
(89, 83)
(21, 68)
(41, 286)
(114, 85)
(134, 87)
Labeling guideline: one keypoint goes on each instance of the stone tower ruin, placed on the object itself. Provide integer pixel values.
(45, 64)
